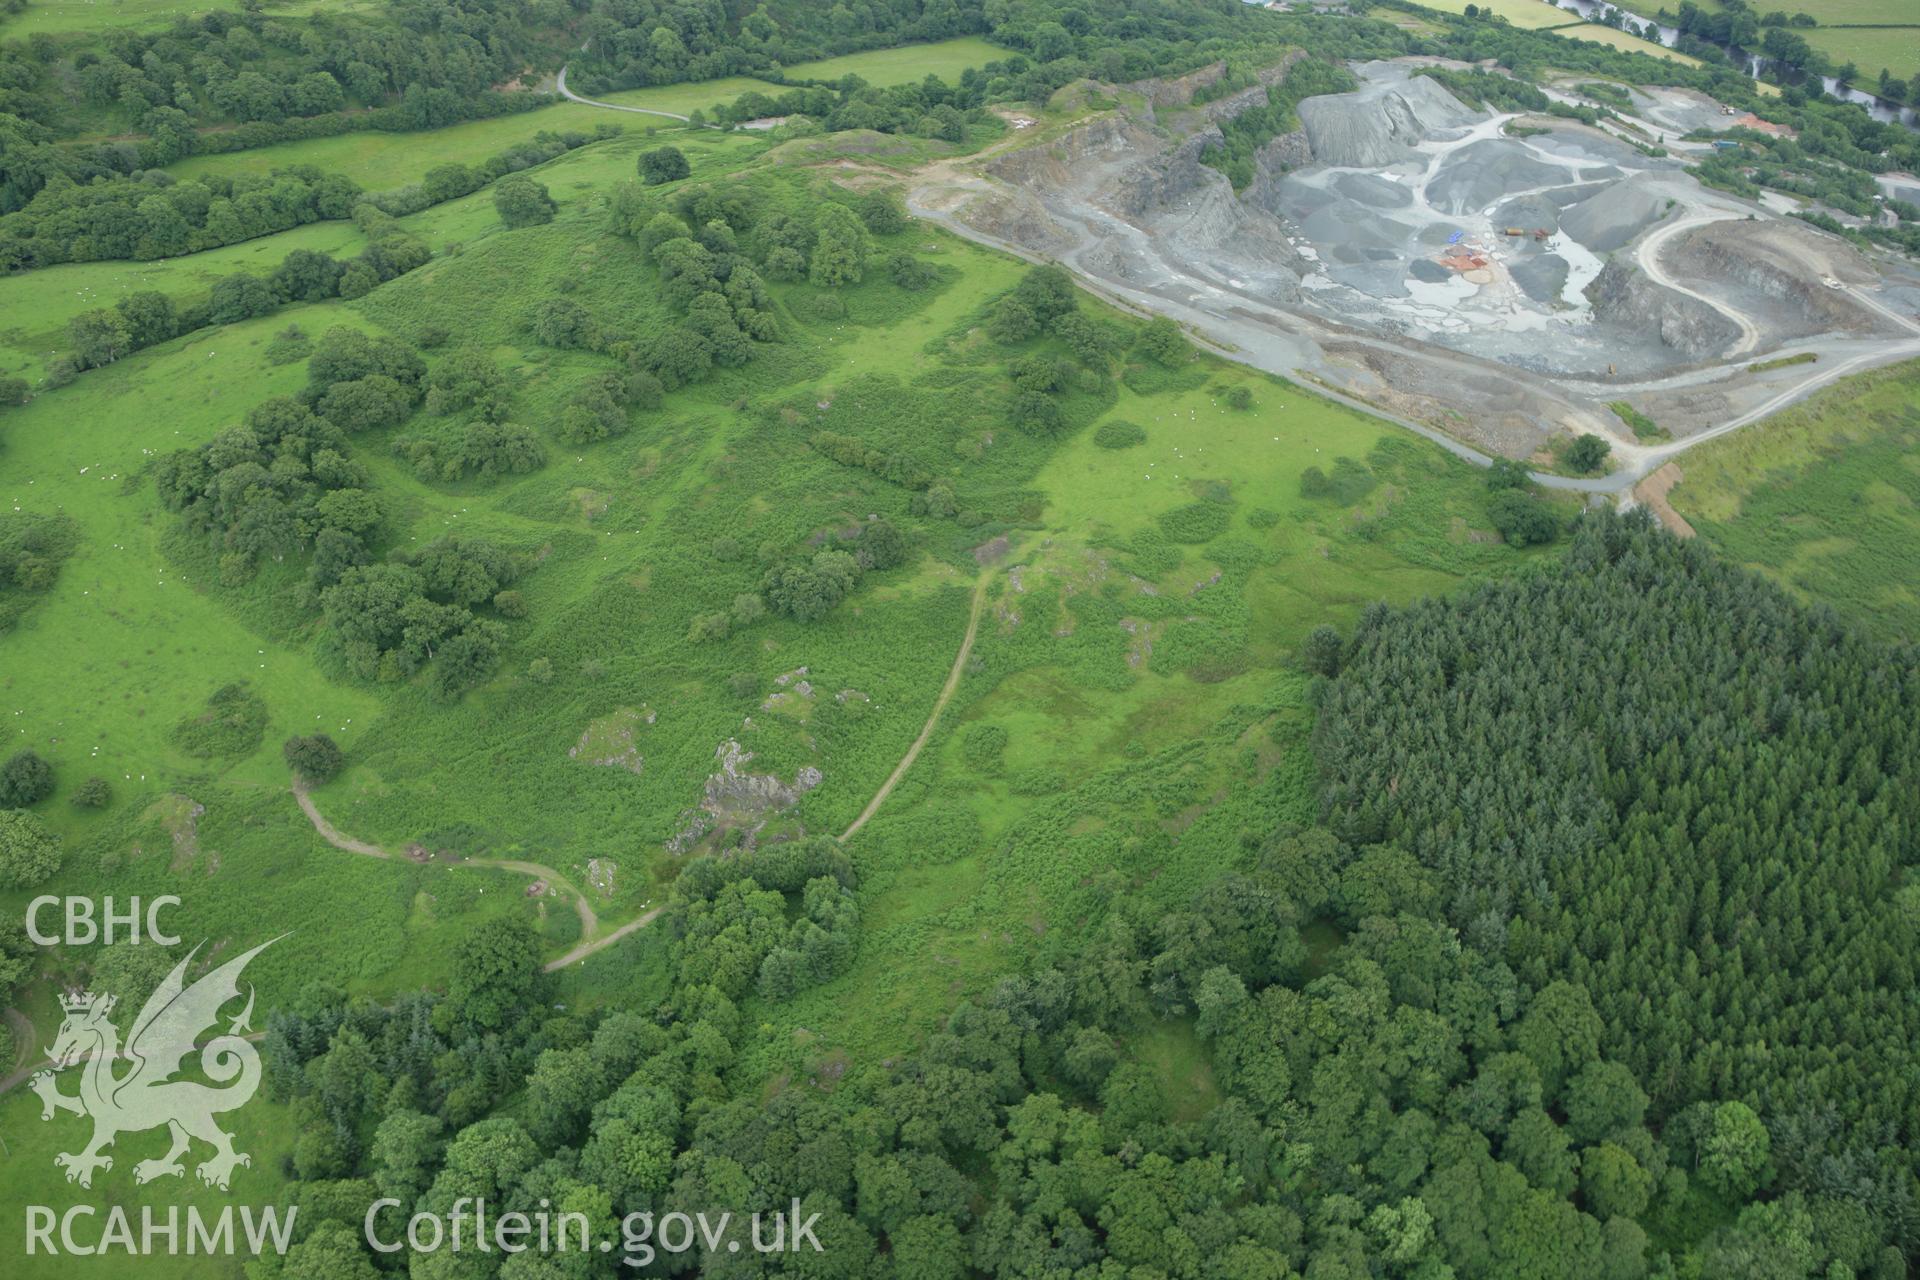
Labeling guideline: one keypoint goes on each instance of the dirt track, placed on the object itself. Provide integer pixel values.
(589, 919)
(933, 717)
(560, 87)
(1649, 258)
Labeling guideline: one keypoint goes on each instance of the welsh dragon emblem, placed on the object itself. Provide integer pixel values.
(147, 1096)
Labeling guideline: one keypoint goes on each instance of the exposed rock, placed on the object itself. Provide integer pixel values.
(610, 739)
(1279, 154)
(1781, 262)
(1178, 91)
(737, 798)
(1622, 295)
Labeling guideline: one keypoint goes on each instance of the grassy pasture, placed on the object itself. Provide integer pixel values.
(60, 17)
(1132, 757)
(1621, 40)
(684, 99)
(44, 301)
(908, 64)
(1139, 662)
(1826, 498)
(1868, 48)
(1847, 12)
(1528, 15)
(262, 1129)
(380, 160)
(38, 304)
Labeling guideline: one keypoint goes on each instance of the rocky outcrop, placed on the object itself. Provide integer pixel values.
(1065, 161)
(1115, 169)
(1782, 263)
(1161, 181)
(736, 798)
(1622, 295)
(1283, 154)
(1178, 91)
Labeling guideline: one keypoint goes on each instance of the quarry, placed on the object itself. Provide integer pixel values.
(1492, 279)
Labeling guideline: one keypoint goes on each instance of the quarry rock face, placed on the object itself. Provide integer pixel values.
(1279, 154)
(1179, 91)
(1622, 295)
(1422, 254)
(1772, 260)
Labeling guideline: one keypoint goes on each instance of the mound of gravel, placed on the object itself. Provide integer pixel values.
(1528, 212)
(1428, 271)
(1373, 190)
(1376, 125)
(1478, 174)
(1564, 196)
(1610, 219)
(1542, 277)
(1586, 147)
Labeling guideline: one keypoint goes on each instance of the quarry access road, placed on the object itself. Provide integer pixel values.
(560, 87)
(1648, 255)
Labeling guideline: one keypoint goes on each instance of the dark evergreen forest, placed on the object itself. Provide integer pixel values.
(1621, 988)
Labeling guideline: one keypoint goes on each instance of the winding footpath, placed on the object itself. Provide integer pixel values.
(591, 939)
(589, 919)
(933, 717)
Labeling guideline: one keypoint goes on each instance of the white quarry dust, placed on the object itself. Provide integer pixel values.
(1428, 170)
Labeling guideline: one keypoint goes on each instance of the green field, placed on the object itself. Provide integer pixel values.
(1068, 803)
(380, 160)
(1846, 12)
(908, 64)
(1870, 48)
(1528, 15)
(1871, 34)
(45, 300)
(1621, 40)
(63, 16)
(1825, 498)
